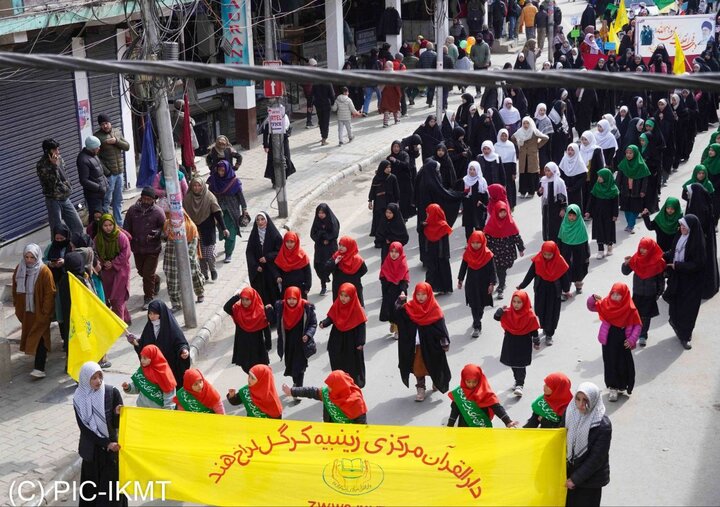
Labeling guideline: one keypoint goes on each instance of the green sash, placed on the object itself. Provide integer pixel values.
(191, 403)
(474, 416)
(541, 408)
(336, 414)
(250, 407)
(151, 391)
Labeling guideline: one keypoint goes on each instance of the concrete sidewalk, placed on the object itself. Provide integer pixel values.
(38, 431)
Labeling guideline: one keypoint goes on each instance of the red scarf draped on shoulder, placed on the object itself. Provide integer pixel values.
(561, 395)
(482, 394)
(424, 314)
(263, 392)
(158, 371)
(252, 318)
(395, 271)
(652, 263)
(520, 322)
(345, 394)
(351, 260)
(553, 268)
(436, 226)
(350, 315)
(621, 313)
(208, 396)
(291, 260)
(476, 259)
(293, 315)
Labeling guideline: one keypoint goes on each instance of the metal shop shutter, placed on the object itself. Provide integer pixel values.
(104, 89)
(34, 105)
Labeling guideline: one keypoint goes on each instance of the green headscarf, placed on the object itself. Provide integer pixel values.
(713, 140)
(573, 233)
(650, 123)
(669, 223)
(107, 245)
(635, 168)
(645, 138)
(706, 183)
(607, 189)
(712, 163)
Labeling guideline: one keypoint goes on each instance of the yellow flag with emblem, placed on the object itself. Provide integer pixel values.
(679, 61)
(621, 18)
(93, 327)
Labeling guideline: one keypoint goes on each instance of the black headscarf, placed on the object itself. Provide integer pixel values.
(170, 339)
(462, 115)
(269, 248)
(327, 228)
(482, 129)
(58, 248)
(521, 65)
(429, 189)
(394, 228)
(380, 176)
(429, 136)
(81, 240)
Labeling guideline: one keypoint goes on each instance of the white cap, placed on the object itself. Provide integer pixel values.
(312, 62)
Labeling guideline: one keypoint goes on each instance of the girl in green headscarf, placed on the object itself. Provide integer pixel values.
(632, 180)
(665, 224)
(603, 207)
(574, 247)
(699, 175)
(714, 139)
(711, 161)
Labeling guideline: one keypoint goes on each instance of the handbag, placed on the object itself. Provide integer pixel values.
(309, 348)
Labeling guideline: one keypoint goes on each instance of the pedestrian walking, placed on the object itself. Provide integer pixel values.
(666, 223)
(263, 247)
(504, 241)
(323, 99)
(259, 396)
(507, 152)
(476, 402)
(574, 173)
(384, 189)
(478, 267)
(574, 247)
(113, 248)
(252, 329)
(324, 232)
(56, 188)
(293, 265)
(345, 113)
(153, 382)
(632, 180)
(529, 141)
(198, 395)
(405, 172)
(554, 199)
(437, 250)
(342, 399)
(394, 280)
(287, 162)
(112, 148)
(204, 210)
(222, 149)
(170, 264)
(548, 409)
(476, 199)
(227, 189)
(603, 209)
(391, 228)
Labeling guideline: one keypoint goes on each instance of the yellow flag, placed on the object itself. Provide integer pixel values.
(621, 18)
(679, 62)
(612, 35)
(231, 460)
(93, 327)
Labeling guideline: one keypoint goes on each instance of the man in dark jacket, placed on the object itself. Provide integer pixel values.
(499, 13)
(112, 146)
(144, 222)
(428, 60)
(541, 25)
(323, 99)
(56, 188)
(92, 175)
(588, 17)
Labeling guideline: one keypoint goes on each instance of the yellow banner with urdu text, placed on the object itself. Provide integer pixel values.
(234, 460)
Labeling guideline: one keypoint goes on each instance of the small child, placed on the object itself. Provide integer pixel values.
(549, 408)
(437, 250)
(259, 397)
(477, 263)
(475, 401)
(574, 247)
(394, 280)
(198, 395)
(504, 241)
(153, 381)
(603, 207)
(345, 112)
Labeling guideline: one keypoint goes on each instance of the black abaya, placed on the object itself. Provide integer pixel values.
(701, 206)
(250, 348)
(344, 355)
(551, 218)
(170, 339)
(547, 298)
(324, 233)
(604, 213)
(437, 260)
(264, 280)
(290, 346)
(405, 174)
(618, 364)
(391, 230)
(474, 210)
(578, 257)
(339, 277)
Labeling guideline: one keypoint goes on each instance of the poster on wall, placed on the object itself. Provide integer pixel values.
(694, 33)
(84, 114)
(237, 36)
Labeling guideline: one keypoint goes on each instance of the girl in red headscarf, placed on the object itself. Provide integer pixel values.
(198, 395)
(252, 329)
(296, 324)
(521, 332)
(549, 408)
(293, 265)
(394, 280)
(154, 381)
(259, 397)
(347, 338)
(620, 327)
(477, 264)
(437, 250)
(423, 340)
(475, 401)
(342, 399)
(648, 268)
(504, 241)
(550, 273)
(347, 266)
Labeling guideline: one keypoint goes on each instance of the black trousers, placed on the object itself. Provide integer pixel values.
(519, 374)
(323, 121)
(477, 313)
(40, 356)
(583, 497)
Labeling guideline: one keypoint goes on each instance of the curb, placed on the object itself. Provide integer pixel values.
(66, 475)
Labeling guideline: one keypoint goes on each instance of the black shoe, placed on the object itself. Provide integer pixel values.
(686, 345)
(213, 274)
(323, 289)
(104, 364)
(146, 303)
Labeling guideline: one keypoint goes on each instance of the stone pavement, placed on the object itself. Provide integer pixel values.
(38, 431)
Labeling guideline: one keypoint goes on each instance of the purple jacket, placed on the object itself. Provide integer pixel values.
(632, 333)
(145, 226)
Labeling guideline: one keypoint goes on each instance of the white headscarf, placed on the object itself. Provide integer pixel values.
(493, 157)
(681, 244)
(261, 232)
(478, 178)
(505, 149)
(27, 276)
(89, 403)
(572, 166)
(588, 151)
(542, 121)
(605, 139)
(523, 134)
(510, 115)
(578, 424)
(559, 187)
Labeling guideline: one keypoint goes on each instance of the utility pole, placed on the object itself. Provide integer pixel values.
(551, 30)
(441, 19)
(278, 146)
(170, 171)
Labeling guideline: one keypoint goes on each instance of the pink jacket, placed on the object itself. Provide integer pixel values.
(632, 333)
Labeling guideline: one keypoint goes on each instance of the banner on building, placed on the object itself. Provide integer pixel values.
(694, 33)
(237, 36)
(232, 460)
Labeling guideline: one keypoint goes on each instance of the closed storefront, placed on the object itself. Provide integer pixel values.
(104, 88)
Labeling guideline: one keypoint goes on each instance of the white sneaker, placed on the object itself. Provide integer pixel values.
(600, 255)
(37, 374)
(518, 391)
(613, 396)
(609, 251)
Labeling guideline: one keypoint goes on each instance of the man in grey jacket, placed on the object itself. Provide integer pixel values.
(92, 175)
(113, 144)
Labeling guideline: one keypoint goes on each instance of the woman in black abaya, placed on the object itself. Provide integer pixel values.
(430, 135)
(447, 170)
(263, 246)
(384, 189)
(482, 129)
(324, 233)
(400, 167)
(700, 205)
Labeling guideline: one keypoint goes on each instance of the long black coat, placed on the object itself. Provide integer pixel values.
(264, 281)
(250, 348)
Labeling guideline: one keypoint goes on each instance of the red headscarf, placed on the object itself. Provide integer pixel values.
(426, 313)
(648, 265)
(497, 193)
(395, 271)
(550, 270)
(158, 371)
(290, 260)
(520, 322)
(477, 258)
(263, 392)
(561, 395)
(252, 318)
(437, 227)
(208, 396)
(500, 227)
(351, 260)
(347, 316)
(291, 316)
(345, 394)
(621, 313)
(482, 394)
